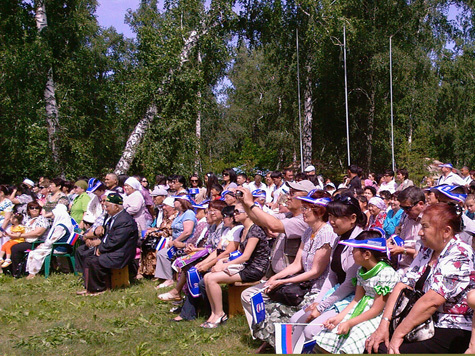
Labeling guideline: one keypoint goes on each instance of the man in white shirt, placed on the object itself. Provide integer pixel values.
(465, 171)
(288, 175)
(242, 180)
(280, 187)
(388, 182)
(449, 177)
(257, 183)
(413, 202)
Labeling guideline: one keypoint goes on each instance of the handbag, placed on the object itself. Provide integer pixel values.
(404, 303)
(150, 242)
(233, 269)
(291, 294)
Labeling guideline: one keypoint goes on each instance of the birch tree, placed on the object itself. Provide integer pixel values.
(215, 17)
(52, 112)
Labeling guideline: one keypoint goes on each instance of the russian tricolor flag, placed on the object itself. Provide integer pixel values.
(73, 238)
(283, 338)
(161, 243)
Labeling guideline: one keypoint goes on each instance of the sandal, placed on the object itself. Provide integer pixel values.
(165, 284)
(168, 297)
(209, 325)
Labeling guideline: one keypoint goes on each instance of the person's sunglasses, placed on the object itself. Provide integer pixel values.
(194, 181)
(225, 174)
(35, 208)
(237, 212)
(409, 207)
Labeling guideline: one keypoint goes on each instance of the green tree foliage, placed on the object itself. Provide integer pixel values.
(170, 143)
(86, 60)
(105, 83)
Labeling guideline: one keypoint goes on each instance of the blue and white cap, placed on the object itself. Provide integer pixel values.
(223, 194)
(93, 184)
(377, 244)
(446, 165)
(259, 193)
(318, 201)
(452, 192)
(199, 206)
(184, 197)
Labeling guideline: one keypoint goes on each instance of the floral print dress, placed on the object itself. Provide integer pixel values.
(452, 277)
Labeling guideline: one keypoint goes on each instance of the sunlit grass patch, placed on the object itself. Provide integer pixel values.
(45, 316)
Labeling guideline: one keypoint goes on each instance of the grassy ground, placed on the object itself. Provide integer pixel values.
(44, 316)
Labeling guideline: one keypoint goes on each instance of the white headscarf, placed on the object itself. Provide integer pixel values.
(378, 202)
(134, 183)
(61, 216)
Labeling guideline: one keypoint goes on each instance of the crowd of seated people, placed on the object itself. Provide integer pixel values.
(348, 249)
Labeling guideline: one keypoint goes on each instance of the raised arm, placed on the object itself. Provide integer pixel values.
(257, 215)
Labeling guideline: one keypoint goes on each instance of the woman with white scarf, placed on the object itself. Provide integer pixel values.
(62, 227)
(134, 202)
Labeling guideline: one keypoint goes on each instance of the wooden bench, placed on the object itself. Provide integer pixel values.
(234, 297)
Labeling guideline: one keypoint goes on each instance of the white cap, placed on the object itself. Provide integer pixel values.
(88, 217)
(309, 168)
(29, 182)
(169, 201)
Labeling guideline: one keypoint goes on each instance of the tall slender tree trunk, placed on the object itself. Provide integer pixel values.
(369, 141)
(134, 141)
(51, 107)
(137, 135)
(307, 123)
(198, 123)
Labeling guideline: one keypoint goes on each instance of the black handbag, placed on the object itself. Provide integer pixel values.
(290, 294)
(150, 242)
(405, 301)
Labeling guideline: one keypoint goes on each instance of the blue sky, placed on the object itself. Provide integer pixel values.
(112, 13)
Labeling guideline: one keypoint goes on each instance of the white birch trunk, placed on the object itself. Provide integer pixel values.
(307, 123)
(137, 135)
(51, 107)
(198, 124)
(134, 141)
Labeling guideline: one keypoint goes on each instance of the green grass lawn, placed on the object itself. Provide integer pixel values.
(45, 316)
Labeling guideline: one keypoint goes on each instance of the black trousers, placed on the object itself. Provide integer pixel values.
(18, 254)
(444, 341)
(82, 253)
(97, 276)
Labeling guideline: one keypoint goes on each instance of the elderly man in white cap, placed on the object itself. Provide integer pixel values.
(449, 177)
(158, 196)
(310, 170)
